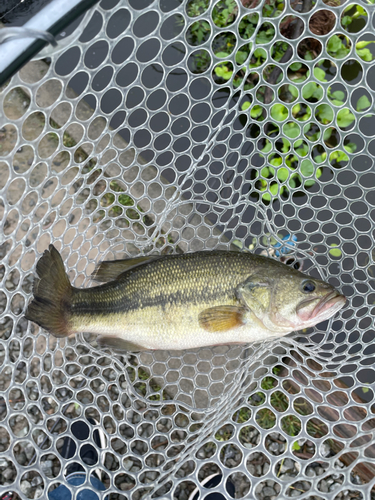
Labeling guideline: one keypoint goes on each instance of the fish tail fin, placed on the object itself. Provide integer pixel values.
(52, 295)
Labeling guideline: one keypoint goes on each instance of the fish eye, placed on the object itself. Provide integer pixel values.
(308, 286)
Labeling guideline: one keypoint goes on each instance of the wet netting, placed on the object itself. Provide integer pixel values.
(172, 126)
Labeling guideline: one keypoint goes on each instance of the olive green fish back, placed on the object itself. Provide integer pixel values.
(197, 277)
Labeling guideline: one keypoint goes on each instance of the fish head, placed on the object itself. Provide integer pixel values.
(288, 300)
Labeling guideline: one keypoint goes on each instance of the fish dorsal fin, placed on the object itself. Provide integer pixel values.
(221, 318)
(111, 269)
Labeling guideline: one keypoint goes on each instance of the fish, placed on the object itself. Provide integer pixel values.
(182, 301)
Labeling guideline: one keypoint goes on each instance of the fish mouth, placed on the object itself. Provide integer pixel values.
(333, 300)
(330, 303)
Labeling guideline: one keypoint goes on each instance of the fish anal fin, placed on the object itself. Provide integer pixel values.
(109, 270)
(221, 318)
(118, 344)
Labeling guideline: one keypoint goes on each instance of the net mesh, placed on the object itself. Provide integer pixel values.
(173, 127)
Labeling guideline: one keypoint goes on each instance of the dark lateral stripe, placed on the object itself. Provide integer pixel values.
(106, 304)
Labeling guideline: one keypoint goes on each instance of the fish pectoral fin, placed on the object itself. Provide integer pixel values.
(221, 318)
(109, 270)
(118, 344)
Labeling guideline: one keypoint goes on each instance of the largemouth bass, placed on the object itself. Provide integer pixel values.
(181, 301)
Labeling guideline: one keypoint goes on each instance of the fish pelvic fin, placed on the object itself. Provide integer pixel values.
(109, 270)
(221, 318)
(52, 295)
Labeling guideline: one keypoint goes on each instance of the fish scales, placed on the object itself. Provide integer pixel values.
(174, 281)
(181, 301)
(159, 303)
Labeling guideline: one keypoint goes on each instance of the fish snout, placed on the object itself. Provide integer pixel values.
(330, 304)
(319, 309)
